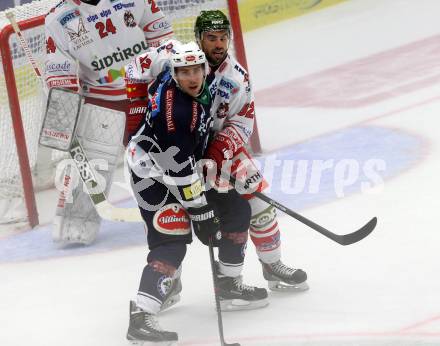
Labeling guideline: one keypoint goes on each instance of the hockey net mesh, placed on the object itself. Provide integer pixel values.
(181, 13)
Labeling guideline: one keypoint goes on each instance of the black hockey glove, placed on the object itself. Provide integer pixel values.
(206, 223)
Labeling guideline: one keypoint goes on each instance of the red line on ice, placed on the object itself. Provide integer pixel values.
(362, 82)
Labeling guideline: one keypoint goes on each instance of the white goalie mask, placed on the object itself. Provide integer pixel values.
(187, 55)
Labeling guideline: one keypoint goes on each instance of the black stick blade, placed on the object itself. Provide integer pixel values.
(346, 239)
(360, 234)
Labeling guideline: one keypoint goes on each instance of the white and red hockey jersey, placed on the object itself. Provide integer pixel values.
(233, 103)
(94, 43)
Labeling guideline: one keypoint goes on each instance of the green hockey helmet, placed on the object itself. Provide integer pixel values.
(214, 20)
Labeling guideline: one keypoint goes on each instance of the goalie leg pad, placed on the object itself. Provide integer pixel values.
(100, 131)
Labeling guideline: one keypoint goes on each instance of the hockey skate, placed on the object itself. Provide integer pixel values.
(144, 329)
(173, 296)
(282, 278)
(234, 295)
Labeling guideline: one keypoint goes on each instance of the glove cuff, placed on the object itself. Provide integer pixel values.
(203, 213)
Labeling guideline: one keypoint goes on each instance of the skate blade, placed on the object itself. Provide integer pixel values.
(152, 343)
(279, 286)
(240, 304)
(170, 302)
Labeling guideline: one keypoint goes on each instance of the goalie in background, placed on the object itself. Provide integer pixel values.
(88, 43)
(168, 184)
(233, 111)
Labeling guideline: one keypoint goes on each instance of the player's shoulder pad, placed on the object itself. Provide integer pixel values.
(136, 5)
(168, 46)
(138, 2)
(234, 76)
(238, 71)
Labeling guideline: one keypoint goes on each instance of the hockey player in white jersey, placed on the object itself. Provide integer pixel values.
(233, 111)
(88, 43)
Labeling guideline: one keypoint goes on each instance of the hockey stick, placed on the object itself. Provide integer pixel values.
(345, 239)
(103, 207)
(105, 210)
(11, 17)
(217, 299)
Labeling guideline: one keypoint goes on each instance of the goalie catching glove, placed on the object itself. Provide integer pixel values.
(206, 222)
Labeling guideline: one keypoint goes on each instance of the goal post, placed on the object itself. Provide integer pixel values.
(19, 134)
(24, 166)
(240, 54)
(21, 107)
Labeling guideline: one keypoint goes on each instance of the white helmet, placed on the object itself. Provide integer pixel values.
(187, 54)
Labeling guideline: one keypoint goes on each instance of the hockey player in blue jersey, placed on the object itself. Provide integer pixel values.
(169, 189)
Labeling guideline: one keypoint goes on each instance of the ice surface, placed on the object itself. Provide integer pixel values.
(360, 90)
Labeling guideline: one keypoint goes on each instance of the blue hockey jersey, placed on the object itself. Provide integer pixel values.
(173, 139)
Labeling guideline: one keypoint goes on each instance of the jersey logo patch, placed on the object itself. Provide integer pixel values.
(158, 25)
(194, 116)
(77, 34)
(129, 19)
(68, 16)
(169, 100)
(192, 191)
(172, 219)
(164, 285)
(223, 110)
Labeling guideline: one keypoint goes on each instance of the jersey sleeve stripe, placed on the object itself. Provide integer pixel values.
(107, 91)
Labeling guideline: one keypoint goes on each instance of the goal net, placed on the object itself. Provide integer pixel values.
(26, 167)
